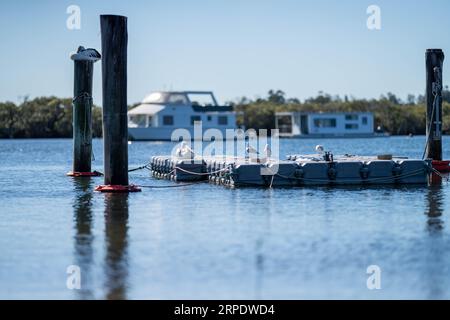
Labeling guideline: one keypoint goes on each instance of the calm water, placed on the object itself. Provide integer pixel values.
(210, 242)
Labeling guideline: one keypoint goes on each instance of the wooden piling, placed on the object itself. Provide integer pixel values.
(82, 116)
(84, 61)
(114, 75)
(434, 63)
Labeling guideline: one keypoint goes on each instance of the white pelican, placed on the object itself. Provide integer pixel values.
(86, 55)
(185, 151)
(251, 150)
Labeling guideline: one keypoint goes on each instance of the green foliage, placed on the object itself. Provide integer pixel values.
(51, 117)
(44, 117)
(9, 118)
(390, 113)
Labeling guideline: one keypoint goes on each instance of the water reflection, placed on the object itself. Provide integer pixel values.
(435, 262)
(83, 239)
(262, 238)
(261, 229)
(116, 240)
(259, 268)
(434, 211)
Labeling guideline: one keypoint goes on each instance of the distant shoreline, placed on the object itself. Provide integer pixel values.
(281, 138)
(51, 117)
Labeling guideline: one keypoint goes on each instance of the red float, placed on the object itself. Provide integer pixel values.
(84, 174)
(441, 166)
(117, 188)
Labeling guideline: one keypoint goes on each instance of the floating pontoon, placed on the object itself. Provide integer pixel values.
(295, 171)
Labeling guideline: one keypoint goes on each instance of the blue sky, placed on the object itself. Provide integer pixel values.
(233, 47)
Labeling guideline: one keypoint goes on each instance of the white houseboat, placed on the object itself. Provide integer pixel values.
(325, 125)
(160, 113)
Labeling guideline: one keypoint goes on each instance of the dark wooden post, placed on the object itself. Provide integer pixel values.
(434, 63)
(115, 124)
(82, 116)
(84, 61)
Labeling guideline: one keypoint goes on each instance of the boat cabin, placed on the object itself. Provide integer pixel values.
(162, 112)
(324, 124)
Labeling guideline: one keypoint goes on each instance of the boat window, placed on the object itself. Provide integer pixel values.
(168, 120)
(284, 124)
(201, 99)
(325, 123)
(138, 120)
(351, 117)
(364, 120)
(209, 118)
(351, 126)
(222, 120)
(176, 98)
(194, 119)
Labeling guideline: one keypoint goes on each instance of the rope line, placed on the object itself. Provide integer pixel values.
(163, 187)
(429, 128)
(203, 173)
(82, 95)
(139, 168)
(271, 182)
(446, 178)
(436, 94)
(405, 175)
(400, 176)
(74, 101)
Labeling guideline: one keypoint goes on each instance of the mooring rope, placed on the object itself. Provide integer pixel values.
(163, 187)
(82, 95)
(202, 173)
(405, 175)
(271, 182)
(145, 166)
(400, 176)
(74, 100)
(436, 94)
(446, 178)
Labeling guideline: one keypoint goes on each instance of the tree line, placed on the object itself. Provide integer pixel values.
(51, 117)
(391, 114)
(43, 117)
